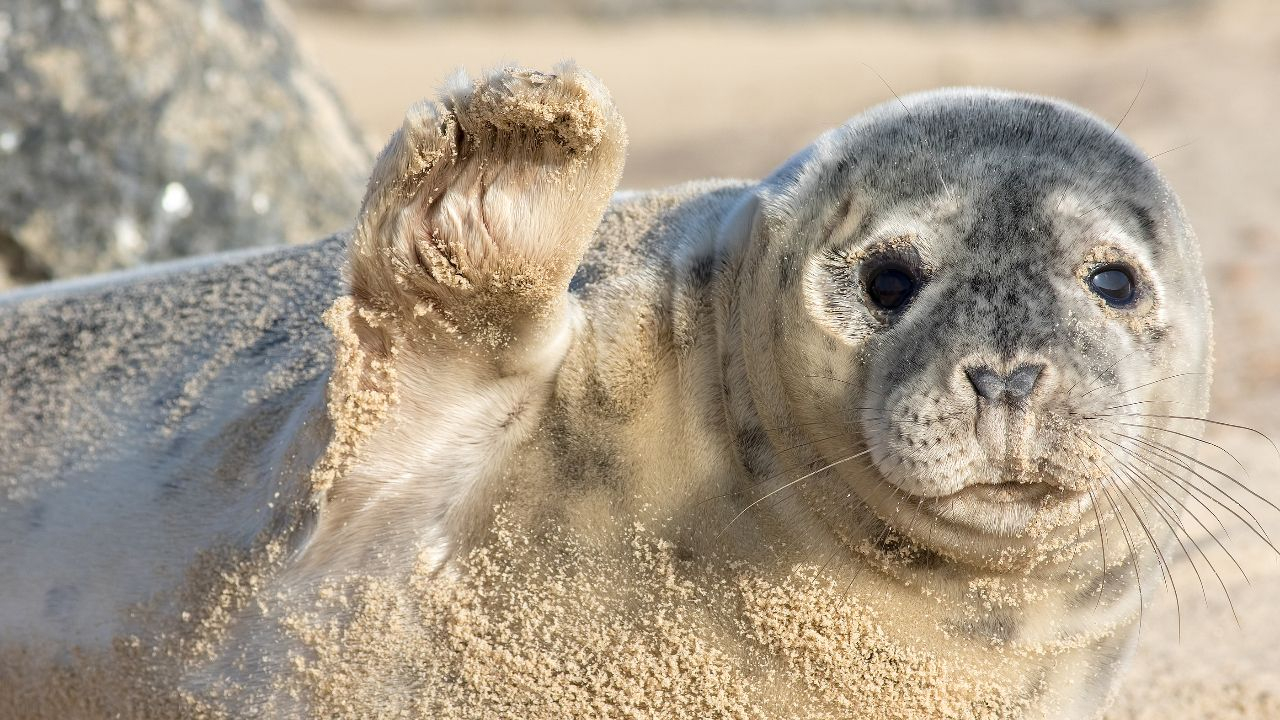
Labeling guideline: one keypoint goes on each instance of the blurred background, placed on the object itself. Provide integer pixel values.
(138, 130)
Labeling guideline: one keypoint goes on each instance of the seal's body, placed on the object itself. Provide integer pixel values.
(847, 441)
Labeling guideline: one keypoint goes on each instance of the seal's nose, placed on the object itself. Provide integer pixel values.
(1015, 387)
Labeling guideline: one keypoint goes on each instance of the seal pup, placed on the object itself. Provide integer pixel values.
(848, 441)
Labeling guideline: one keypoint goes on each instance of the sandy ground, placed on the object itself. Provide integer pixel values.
(719, 97)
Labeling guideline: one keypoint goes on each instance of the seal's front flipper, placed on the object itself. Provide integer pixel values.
(480, 207)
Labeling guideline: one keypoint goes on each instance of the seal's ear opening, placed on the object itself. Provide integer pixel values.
(739, 226)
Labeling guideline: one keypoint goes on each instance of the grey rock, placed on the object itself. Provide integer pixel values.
(139, 130)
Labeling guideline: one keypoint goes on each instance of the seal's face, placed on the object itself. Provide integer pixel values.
(999, 283)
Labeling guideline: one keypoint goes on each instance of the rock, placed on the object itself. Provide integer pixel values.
(139, 130)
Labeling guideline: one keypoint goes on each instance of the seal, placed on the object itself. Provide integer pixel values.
(861, 439)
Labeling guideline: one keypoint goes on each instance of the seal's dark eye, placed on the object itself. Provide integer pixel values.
(1114, 283)
(890, 288)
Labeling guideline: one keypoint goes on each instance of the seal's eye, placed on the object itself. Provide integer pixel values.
(890, 288)
(1114, 283)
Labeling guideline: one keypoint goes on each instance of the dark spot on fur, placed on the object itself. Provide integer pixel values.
(60, 602)
(36, 516)
(779, 329)
(787, 271)
(171, 489)
(272, 337)
(864, 225)
(902, 551)
(513, 416)
(1146, 223)
(753, 450)
(764, 241)
(701, 270)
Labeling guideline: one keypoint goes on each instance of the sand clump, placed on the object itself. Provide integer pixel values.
(360, 394)
(620, 628)
(567, 118)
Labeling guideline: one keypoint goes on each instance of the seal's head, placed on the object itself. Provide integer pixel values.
(960, 301)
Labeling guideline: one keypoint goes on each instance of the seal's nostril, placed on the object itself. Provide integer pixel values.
(986, 382)
(1022, 381)
(1015, 387)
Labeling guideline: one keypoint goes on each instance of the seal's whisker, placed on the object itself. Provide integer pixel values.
(1192, 492)
(828, 466)
(1116, 128)
(811, 442)
(829, 377)
(794, 426)
(1133, 552)
(784, 497)
(1176, 529)
(1210, 443)
(915, 125)
(1163, 501)
(1148, 159)
(1102, 543)
(1140, 515)
(1158, 453)
(1099, 375)
(854, 385)
(1145, 402)
(1170, 497)
(872, 418)
(1161, 497)
(1176, 148)
(1132, 102)
(1166, 448)
(743, 489)
(1139, 387)
(862, 456)
(1165, 454)
(1219, 423)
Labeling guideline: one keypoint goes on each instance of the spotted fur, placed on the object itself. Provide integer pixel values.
(704, 360)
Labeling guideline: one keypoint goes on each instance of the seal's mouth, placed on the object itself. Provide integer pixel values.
(1003, 493)
(1005, 503)
(997, 492)
(1003, 508)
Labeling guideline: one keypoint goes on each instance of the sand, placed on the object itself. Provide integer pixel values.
(525, 629)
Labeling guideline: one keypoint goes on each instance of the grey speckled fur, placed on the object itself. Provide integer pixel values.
(716, 348)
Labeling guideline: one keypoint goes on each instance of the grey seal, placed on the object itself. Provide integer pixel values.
(853, 440)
